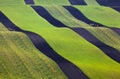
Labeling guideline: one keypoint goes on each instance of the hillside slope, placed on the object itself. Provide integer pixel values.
(20, 59)
(59, 39)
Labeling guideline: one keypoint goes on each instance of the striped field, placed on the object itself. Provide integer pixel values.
(59, 39)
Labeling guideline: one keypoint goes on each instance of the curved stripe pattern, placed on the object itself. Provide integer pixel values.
(70, 70)
(77, 14)
(77, 2)
(111, 52)
(45, 14)
(29, 2)
(109, 2)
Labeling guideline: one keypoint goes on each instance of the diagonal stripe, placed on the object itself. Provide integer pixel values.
(109, 2)
(44, 13)
(29, 2)
(77, 14)
(111, 52)
(70, 70)
(116, 8)
(117, 30)
(77, 2)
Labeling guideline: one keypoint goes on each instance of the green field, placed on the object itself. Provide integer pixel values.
(103, 15)
(91, 3)
(90, 60)
(52, 2)
(20, 59)
(111, 39)
(83, 54)
(37, 2)
(25, 16)
(61, 14)
(12, 2)
(107, 36)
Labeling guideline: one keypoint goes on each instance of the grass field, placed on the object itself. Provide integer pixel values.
(86, 56)
(25, 16)
(55, 11)
(111, 39)
(103, 15)
(19, 59)
(69, 45)
(11, 2)
(107, 36)
(64, 16)
(52, 2)
(91, 3)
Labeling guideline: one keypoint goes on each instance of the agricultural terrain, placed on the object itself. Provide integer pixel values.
(59, 39)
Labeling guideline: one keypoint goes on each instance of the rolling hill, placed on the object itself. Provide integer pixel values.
(20, 59)
(59, 39)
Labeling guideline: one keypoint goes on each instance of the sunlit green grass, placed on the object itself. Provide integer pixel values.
(12, 2)
(86, 56)
(19, 59)
(61, 14)
(91, 60)
(56, 11)
(111, 39)
(25, 16)
(52, 2)
(91, 2)
(100, 14)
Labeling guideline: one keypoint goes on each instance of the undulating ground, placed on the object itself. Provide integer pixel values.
(59, 39)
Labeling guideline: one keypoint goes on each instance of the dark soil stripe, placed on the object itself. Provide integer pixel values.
(29, 1)
(79, 15)
(45, 14)
(117, 30)
(116, 8)
(111, 52)
(77, 2)
(109, 2)
(70, 70)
